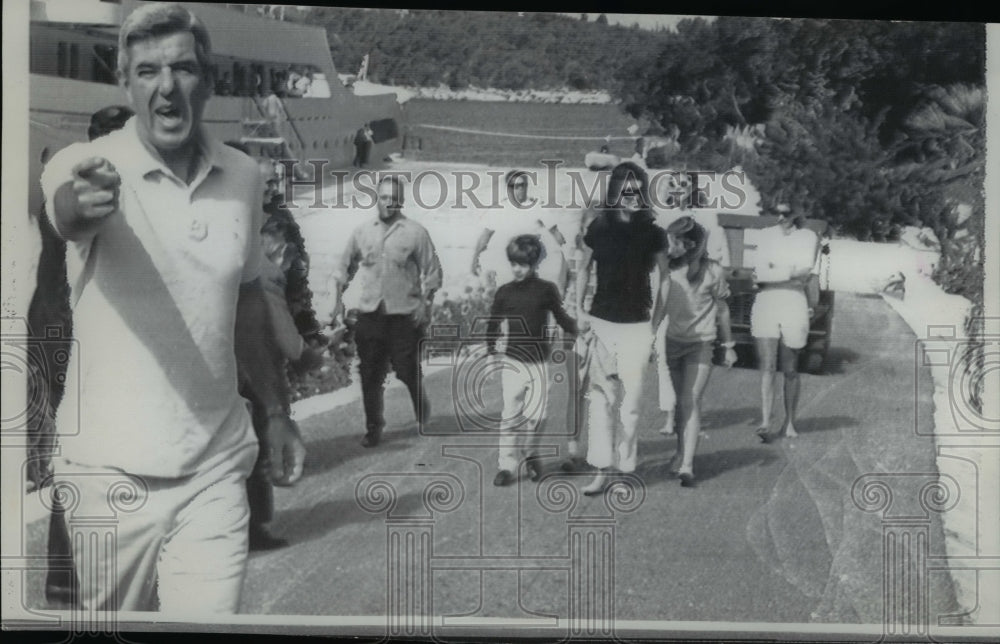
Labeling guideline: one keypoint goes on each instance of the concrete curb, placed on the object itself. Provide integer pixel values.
(971, 461)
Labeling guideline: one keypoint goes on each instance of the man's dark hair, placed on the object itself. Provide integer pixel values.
(527, 250)
(107, 120)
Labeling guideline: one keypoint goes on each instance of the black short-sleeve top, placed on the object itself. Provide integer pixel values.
(624, 254)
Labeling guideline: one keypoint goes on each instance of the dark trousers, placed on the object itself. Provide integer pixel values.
(384, 339)
(260, 493)
(61, 583)
(362, 151)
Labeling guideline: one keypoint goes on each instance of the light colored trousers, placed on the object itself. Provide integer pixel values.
(146, 543)
(614, 403)
(525, 401)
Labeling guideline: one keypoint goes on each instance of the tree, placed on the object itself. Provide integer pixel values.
(602, 19)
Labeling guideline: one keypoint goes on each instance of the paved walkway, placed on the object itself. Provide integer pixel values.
(771, 533)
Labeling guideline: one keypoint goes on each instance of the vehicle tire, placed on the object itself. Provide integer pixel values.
(812, 361)
(813, 356)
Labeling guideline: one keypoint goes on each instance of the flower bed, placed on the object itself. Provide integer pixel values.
(462, 304)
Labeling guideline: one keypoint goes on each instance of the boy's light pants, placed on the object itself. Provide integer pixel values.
(525, 401)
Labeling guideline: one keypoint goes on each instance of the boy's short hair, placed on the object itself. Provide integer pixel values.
(527, 250)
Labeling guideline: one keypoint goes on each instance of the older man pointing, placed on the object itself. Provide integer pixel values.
(162, 225)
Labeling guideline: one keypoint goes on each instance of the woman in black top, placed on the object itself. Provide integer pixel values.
(623, 244)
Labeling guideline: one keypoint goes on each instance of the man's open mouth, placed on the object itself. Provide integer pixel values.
(169, 115)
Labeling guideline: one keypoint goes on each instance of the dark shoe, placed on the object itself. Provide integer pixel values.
(534, 467)
(573, 464)
(503, 478)
(763, 435)
(372, 438)
(261, 539)
(687, 479)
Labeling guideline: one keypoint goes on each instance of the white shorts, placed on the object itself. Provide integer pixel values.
(781, 313)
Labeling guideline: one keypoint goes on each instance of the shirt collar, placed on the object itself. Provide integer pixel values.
(144, 162)
(377, 221)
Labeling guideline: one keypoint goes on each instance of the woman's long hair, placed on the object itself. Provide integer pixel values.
(619, 175)
(694, 236)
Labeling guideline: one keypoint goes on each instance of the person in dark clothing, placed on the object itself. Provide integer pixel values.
(50, 325)
(295, 266)
(523, 305)
(623, 245)
(363, 141)
(260, 492)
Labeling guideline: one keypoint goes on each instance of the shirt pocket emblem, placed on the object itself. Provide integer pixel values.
(198, 230)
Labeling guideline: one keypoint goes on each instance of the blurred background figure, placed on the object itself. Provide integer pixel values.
(519, 214)
(287, 345)
(364, 139)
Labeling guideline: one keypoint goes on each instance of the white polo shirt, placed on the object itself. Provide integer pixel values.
(152, 384)
(780, 254)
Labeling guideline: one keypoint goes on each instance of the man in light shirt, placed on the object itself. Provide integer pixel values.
(397, 265)
(163, 258)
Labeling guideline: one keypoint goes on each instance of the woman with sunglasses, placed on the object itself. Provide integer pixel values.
(695, 307)
(623, 245)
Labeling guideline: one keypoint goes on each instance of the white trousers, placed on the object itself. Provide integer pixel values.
(174, 545)
(525, 401)
(614, 402)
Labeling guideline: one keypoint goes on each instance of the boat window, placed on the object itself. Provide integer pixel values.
(62, 59)
(239, 80)
(256, 78)
(74, 60)
(384, 129)
(105, 63)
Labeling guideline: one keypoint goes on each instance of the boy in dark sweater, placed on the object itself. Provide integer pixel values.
(523, 307)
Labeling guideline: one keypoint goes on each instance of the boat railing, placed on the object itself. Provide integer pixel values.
(255, 121)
